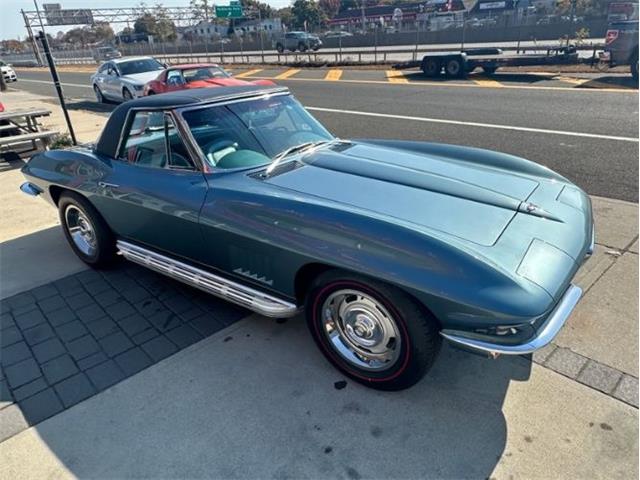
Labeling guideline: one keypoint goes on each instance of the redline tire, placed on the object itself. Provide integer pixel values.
(418, 331)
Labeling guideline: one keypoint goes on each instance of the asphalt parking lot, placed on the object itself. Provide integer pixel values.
(182, 385)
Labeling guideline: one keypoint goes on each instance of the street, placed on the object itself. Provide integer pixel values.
(587, 135)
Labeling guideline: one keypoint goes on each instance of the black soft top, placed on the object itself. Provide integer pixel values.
(108, 142)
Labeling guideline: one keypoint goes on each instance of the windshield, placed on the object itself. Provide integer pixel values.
(203, 73)
(252, 132)
(139, 66)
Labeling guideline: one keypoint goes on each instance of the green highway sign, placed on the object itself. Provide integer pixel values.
(231, 11)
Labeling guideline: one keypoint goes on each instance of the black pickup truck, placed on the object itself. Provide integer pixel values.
(621, 45)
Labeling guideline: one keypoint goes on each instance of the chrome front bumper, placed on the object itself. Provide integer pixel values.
(543, 337)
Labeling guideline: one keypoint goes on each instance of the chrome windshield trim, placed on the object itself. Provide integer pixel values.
(544, 336)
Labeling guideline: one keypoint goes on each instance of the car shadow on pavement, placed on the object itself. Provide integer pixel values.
(258, 401)
(611, 82)
(90, 105)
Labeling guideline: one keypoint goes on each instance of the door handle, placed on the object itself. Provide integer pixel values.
(107, 185)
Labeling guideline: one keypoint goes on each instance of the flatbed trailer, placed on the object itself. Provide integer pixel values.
(459, 64)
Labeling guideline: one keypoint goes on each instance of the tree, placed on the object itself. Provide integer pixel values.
(201, 9)
(329, 7)
(348, 4)
(158, 25)
(99, 32)
(256, 6)
(307, 11)
(286, 17)
(12, 46)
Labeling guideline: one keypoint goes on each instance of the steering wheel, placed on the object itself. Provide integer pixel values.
(215, 150)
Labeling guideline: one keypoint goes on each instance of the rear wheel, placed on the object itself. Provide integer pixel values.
(371, 331)
(302, 47)
(454, 68)
(431, 67)
(280, 48)
(86, 231)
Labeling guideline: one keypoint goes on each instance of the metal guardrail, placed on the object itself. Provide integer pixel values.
(337, 57)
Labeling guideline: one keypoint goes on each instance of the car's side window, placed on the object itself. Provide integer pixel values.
(111, 70)
(103, 68)
(153, 141)
(174, 77)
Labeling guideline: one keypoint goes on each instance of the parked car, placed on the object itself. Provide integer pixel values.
(338, 34)
(388, 246)
(8, 72)
(124, 78)
(102, 54)
(621, 46)
(302, 41)
(197, 75)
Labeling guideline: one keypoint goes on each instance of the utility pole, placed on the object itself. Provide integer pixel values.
(364, 18)
(56, 81)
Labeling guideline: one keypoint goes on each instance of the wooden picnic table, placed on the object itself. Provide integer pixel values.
(22, 126)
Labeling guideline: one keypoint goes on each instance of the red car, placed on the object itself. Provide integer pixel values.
(197, 75)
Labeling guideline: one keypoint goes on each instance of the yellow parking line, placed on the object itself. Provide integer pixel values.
(289, 73)
(248, 73)
(395, 76)
(333, 75)
(571, 80)
(487, 82)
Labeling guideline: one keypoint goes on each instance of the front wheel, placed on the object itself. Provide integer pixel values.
(127, 95)
(634, 66)
(86, 231)
(371, 331)
(99, 96)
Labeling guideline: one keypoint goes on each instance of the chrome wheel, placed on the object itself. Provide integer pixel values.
(361, 330)
(81, 230)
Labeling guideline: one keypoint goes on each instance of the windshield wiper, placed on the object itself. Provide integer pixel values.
(288, 151)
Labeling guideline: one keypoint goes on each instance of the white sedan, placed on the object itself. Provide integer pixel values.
(123, 79)
(8, 72)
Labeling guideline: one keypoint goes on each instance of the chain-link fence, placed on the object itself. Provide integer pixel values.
(375, 45)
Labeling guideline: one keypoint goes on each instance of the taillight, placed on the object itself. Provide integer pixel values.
(611, 36)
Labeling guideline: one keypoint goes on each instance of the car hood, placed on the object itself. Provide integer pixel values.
(435, 192)
(225, 82)
(141, 78)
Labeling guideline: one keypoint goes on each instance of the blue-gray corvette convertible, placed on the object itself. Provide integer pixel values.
(388, 246)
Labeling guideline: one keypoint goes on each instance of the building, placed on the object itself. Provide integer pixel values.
(208, 29)
(271, 26)
(399, 16)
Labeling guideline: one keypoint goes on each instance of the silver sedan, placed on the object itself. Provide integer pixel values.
(123, 79)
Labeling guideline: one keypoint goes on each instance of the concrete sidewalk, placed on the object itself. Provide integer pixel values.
(258, 401)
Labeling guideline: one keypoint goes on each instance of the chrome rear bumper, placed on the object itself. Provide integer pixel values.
(543, 337)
